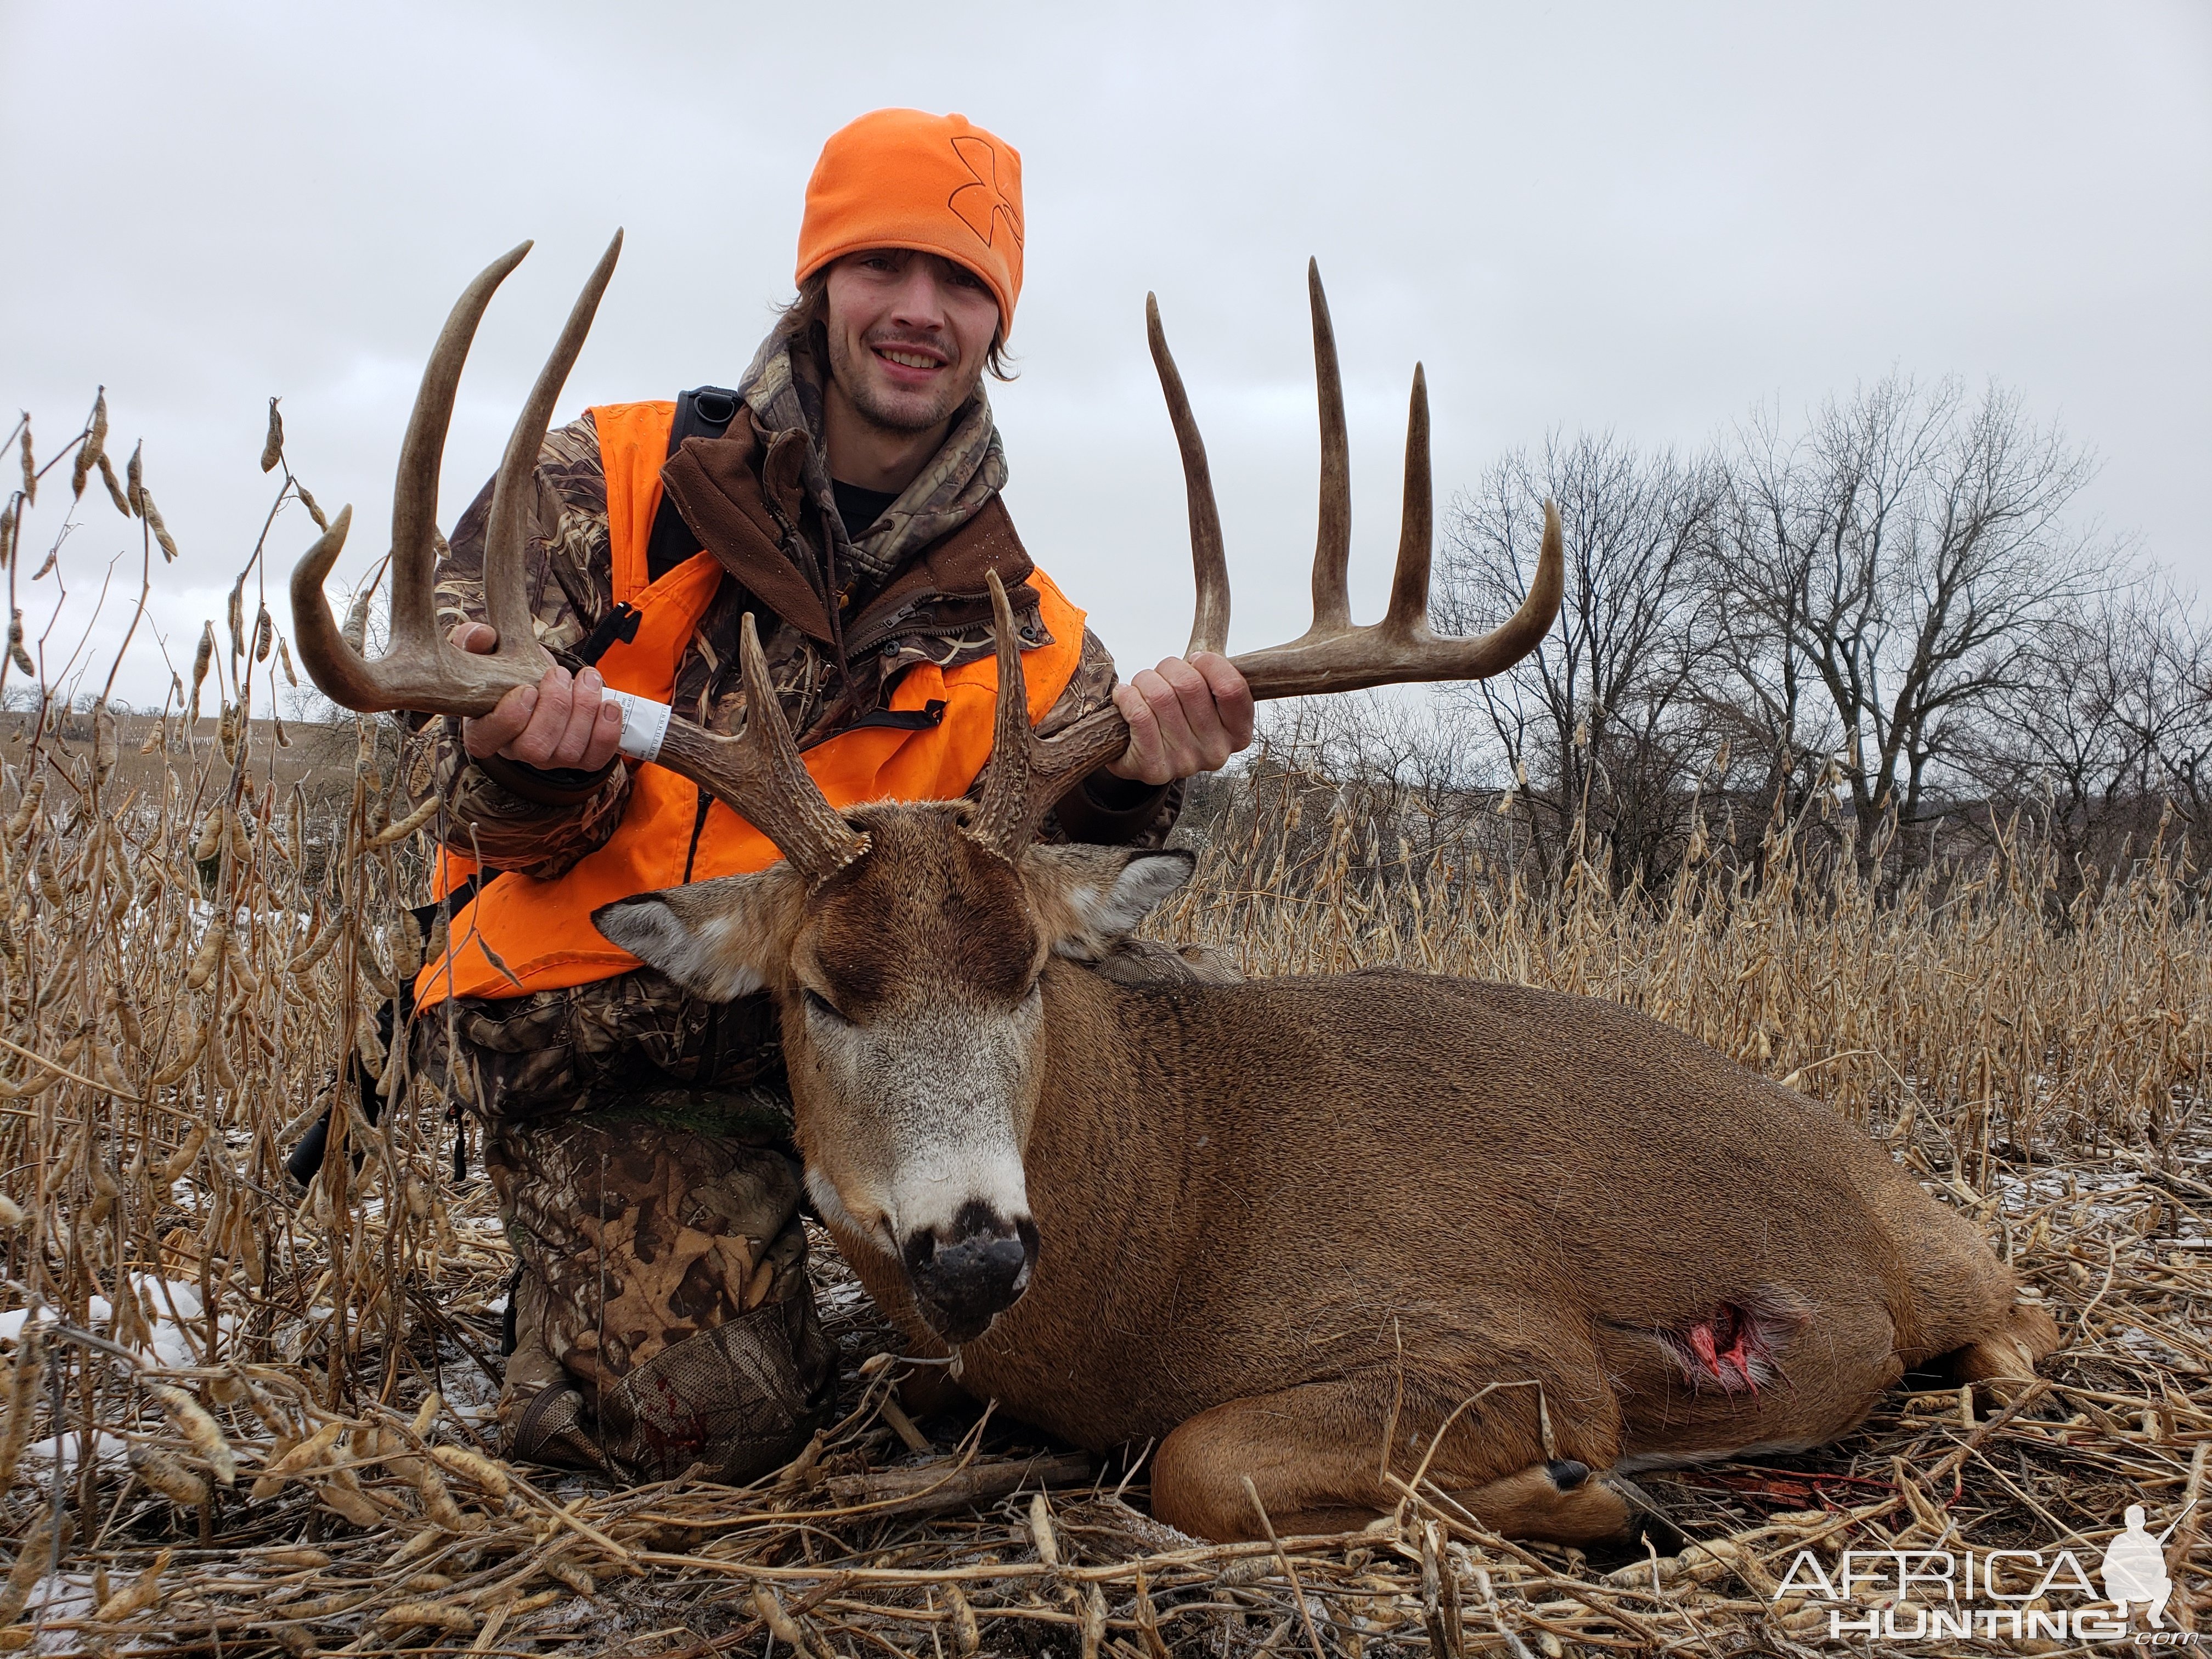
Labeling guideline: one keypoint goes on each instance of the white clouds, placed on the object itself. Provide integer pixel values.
(1619, 216)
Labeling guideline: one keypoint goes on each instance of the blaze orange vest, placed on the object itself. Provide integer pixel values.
(542, 930)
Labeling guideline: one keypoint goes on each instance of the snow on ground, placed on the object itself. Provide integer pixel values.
(108, 1451)
(170, 1305)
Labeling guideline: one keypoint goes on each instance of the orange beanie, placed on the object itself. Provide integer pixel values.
(939, 184)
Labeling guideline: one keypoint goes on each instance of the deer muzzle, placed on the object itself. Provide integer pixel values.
(965, 1276)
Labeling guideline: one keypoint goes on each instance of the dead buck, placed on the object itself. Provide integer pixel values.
(1339, 1235)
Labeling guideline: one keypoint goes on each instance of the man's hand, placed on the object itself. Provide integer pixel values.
(1184, 718)
(562, 722)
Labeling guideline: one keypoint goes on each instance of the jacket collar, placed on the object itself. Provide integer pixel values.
(783, 388)
(744, 496)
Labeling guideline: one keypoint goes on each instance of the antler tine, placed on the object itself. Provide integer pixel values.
(1407, 617)
(1000, 813)
(334, 666)
(1331, 598)
(1028, 773)
(414, 487)
(421, 670)
(1209, 629)
(507, 604)
(759, 775)
(1332, 654)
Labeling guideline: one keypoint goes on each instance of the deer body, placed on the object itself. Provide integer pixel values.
(1271, 1224)
(1391, 1189)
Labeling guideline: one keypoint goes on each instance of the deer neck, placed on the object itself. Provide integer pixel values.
(1111, 1151)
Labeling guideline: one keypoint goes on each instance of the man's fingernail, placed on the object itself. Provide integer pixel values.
(529, 698)
(611, 711)
(590, 677)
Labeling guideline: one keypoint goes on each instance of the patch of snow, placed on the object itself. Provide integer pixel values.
(168, 1343)
(59, 1596)
(108, 1451)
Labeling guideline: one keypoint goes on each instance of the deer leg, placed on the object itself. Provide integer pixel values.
(1561, 1501)
(1310, 1473)
(1312, 1454)
(2028, 1334)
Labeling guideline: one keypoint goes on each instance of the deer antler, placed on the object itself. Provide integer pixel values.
(1028, 773)
(420, 669)
(757, 774)
(1333, 655)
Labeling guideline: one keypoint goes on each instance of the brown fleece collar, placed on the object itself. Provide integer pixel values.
(744, 499)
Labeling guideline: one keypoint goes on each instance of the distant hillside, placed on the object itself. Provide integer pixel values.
(319, 755)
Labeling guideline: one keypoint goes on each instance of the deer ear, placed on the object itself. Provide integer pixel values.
(1086, 898)
(722, 939)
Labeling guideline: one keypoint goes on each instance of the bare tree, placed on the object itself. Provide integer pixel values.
(2183, 751)
(1600, 727)
(2077, 738)
(1903, 558)
(1885, 609)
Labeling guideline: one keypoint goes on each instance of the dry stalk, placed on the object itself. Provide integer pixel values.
(196, 924)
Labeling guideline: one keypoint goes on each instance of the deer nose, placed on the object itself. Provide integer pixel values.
(966, 1275)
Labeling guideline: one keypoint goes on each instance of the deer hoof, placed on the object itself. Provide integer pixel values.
(1646, 1521)
(1567, 1473)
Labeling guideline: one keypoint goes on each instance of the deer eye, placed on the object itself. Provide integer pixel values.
(818, 1003)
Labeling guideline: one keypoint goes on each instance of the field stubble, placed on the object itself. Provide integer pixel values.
(245, 1417)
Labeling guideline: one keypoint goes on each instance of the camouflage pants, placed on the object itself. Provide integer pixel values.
(662, 1312)
(639, 1141)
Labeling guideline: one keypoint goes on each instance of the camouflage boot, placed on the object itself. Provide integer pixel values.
(663, 1315)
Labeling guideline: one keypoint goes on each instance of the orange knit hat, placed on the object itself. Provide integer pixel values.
(937, 184)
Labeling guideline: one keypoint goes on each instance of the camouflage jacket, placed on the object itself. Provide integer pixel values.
(760, 500)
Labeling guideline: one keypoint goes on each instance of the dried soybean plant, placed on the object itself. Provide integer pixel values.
(196, 937)
(233, 1415)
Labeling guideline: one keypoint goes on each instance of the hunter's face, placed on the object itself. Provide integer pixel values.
(909, 334)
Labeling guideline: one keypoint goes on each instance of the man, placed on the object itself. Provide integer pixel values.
(846, 494)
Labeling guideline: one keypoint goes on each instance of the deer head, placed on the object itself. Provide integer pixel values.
(911, 988)
(909, 946)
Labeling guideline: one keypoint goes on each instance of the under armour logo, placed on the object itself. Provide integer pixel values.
(979, 204)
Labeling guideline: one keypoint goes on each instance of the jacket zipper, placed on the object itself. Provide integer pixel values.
(866, 645)
(698, 828)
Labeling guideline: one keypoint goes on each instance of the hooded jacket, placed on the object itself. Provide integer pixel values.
(910, 590)
(565, 1048)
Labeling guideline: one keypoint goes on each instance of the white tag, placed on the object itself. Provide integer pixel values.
(644, 723)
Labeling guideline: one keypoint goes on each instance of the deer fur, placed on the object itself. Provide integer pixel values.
(1333, 1233)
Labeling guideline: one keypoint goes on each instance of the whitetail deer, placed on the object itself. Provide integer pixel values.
(1337, 1234)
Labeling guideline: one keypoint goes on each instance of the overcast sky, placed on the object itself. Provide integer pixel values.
(1629, 217)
